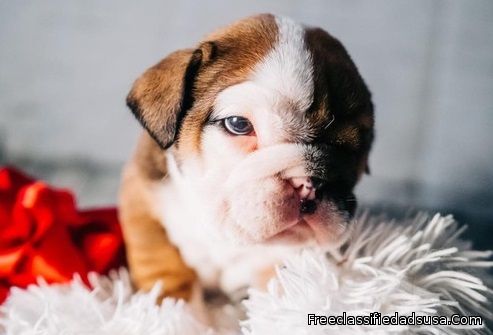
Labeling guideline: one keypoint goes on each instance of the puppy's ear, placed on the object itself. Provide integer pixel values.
(161, 96)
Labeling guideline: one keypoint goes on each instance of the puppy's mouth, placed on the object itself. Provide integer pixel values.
(280, 201)
(319, 221)
(310, 231)
(308, 206)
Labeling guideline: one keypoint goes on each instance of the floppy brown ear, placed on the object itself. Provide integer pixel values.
(161, 96)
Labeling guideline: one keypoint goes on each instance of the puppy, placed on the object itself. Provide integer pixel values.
(253, 143)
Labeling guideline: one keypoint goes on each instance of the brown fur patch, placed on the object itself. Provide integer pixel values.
(150, 254)
(340, 92)
(348, 136)
(239, 48)
(156, 96)
(341, 96)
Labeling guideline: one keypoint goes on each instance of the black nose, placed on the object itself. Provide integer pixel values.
(308, 206)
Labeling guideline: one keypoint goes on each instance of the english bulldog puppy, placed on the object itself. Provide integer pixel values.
(254, 141)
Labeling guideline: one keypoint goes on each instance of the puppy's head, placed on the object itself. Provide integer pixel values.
(268, 126)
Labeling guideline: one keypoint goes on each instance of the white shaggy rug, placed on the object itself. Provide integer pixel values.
(413, 266)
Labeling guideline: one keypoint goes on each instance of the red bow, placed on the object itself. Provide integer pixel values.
(42, 234)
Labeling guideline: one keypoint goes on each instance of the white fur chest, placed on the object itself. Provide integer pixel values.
(220, 263)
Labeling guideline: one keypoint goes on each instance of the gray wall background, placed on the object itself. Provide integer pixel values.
(66, 66)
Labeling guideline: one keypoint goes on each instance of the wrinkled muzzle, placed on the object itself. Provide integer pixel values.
(269, 196)
(283, 160)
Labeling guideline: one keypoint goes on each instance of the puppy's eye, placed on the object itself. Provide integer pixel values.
(237, 125)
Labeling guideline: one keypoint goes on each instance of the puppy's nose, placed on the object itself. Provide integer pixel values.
(304, 186)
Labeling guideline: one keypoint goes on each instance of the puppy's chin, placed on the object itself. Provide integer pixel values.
(268, 212)
(323, 228)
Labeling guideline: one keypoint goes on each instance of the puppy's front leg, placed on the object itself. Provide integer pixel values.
(151, 255)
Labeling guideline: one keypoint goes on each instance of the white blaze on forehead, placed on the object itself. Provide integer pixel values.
(288, 67)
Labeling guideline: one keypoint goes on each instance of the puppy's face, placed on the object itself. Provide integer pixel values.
(268, 126)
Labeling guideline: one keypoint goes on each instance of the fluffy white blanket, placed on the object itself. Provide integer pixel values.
(416, 266)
